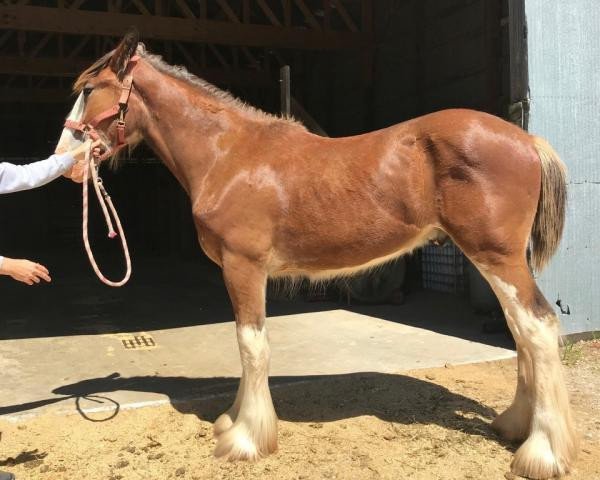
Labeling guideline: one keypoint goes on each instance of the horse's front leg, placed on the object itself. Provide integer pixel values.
(248, 430)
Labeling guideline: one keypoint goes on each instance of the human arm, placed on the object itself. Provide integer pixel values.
(24, 270)
(15, 178)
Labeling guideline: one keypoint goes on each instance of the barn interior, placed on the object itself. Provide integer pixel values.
(355, 66)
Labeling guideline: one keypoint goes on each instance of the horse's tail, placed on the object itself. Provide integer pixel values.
(550, 216)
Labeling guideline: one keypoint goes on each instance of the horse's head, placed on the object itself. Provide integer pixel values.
(105, 106)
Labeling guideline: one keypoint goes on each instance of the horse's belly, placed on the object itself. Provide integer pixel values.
(328, 260)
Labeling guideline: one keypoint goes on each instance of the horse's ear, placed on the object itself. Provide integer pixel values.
(124, 51)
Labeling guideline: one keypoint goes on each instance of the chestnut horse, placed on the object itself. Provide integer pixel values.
(270, 199)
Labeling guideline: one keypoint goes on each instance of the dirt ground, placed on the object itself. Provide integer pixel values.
(426, 424)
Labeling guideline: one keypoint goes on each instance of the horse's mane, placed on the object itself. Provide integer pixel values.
(181, 73)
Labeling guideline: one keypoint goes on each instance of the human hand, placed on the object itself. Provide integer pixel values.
(24, 271)
(79, 153)
(76, 172)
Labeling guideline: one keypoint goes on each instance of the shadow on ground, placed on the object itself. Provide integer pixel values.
(393, 398)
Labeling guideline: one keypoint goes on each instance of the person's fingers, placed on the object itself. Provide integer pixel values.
(42, 272)
(41, 268)
(45, 276)
(35, 279)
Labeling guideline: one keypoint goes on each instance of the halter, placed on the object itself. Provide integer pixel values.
(89, 129)
(93, 160)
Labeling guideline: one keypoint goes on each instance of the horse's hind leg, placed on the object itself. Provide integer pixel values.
(248, 430)
(541, 400)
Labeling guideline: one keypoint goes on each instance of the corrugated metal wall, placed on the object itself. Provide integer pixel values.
(564, 73)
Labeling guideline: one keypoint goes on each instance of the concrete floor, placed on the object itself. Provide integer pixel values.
(65, 346)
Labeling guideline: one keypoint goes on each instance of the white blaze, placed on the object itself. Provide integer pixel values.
(67, 140)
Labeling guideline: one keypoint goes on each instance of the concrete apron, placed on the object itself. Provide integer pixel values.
(103, 373)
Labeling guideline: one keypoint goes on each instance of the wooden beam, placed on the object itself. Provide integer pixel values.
(141, 7)
(185, 9)
(229, 13)
(76, 4)
(82, 43)
(43, 42)
(345, 16)
(264, 6)
(191, 61)
(219, 56)
(56, 67)
(299, 112)
(159, 7)
(79, 22)
(234, 18)
(309, 17)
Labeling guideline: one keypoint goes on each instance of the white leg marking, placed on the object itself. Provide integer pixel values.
(253, 433)
(552, 444)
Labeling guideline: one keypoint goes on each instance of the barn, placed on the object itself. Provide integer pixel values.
(354, 66)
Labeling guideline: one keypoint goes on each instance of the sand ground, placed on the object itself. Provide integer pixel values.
(424, 424)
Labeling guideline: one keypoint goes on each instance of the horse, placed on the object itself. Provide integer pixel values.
(272, 200)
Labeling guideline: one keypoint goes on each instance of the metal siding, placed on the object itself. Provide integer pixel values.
(564, 74)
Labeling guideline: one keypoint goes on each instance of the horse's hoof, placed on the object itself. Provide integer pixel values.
(536, 460)
(237, 443)
(512, 425)
(222, 424)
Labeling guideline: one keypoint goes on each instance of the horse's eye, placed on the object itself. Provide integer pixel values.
(87, 91)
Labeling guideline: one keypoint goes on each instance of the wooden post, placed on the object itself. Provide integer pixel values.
(286, 102)
(518, 111)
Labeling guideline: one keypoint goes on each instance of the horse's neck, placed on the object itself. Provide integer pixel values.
(183, 128)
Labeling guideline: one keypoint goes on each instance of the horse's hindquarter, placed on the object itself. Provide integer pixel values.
(487, 179)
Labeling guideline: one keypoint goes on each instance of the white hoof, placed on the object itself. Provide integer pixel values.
(237, 444)
(536, 459)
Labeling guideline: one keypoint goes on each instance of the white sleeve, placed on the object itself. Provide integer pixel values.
(1, 261)
(15, 178)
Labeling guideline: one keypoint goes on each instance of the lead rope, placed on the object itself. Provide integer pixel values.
(103, 199)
